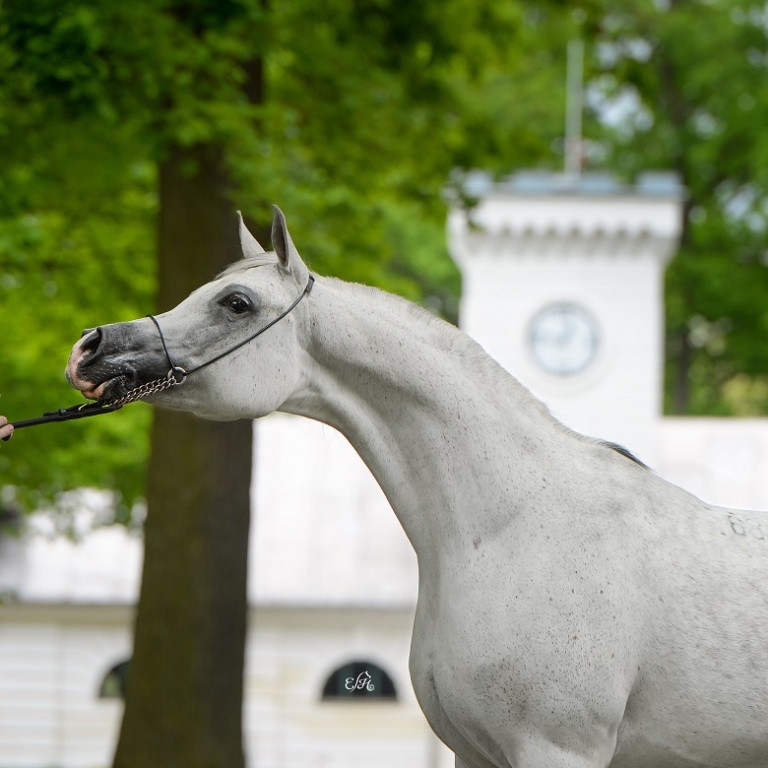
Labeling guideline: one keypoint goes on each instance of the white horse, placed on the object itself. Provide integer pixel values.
(575, 610)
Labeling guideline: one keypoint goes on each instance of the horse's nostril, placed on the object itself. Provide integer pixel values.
(90, 340)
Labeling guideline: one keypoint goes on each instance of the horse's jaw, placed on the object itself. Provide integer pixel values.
(193, 397)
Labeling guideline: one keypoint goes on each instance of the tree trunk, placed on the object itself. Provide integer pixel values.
(184, 693)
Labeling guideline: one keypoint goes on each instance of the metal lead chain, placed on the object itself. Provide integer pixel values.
(175, 376)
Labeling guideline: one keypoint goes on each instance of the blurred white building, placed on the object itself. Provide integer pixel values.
(563, 285)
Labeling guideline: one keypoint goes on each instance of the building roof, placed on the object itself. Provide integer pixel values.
(529, 183)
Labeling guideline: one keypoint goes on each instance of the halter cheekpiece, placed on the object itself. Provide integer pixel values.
(179, 374)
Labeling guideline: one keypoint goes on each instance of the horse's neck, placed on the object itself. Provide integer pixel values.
(439, 424)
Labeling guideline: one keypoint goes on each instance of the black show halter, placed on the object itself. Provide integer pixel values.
(176, 375)
(179, 374)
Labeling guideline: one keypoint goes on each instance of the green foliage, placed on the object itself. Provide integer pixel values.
(76, 241)
(368, 108)
(62, 271)
(682, 85)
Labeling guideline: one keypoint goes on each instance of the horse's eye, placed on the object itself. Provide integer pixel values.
(237, 303)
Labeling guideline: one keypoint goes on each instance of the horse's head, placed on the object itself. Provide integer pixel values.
(238, 339)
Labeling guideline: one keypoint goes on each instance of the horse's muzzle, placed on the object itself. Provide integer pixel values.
(77, 372)
(108, 361)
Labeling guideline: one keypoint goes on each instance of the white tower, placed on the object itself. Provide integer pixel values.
(563, 285)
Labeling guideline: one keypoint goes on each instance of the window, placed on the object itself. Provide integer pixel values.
(359, 680)
(114, 682)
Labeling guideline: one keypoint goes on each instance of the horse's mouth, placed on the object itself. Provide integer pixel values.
(108, 389)
(98, 391)
(95, 393)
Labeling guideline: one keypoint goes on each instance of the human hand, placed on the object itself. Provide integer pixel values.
(6, 429)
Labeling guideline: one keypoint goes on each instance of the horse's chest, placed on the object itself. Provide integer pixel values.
(462, 695)
(492, 674)
(446, 707)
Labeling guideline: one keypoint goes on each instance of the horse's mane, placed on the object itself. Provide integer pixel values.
(473, 357)
(453, 341)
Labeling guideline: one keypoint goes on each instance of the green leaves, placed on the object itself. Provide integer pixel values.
(59, 275)
(696, 72)
(368, 108)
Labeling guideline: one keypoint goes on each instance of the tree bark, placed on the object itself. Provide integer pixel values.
(184, 693)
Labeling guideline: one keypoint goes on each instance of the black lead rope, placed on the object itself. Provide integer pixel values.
(81, 411)
(176, 375)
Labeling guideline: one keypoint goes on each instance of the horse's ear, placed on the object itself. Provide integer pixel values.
(249, 245)
(284, 247)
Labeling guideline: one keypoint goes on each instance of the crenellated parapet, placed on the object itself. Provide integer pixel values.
(537, 214)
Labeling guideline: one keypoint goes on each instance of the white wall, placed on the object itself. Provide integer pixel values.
(293, 653)
(722, 461)
(53, 659)
(323, 532)
(52, 662)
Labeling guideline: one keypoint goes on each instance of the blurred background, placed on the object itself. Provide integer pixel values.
(527, 170)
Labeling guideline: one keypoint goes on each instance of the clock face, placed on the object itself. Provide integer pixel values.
(564, 338)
